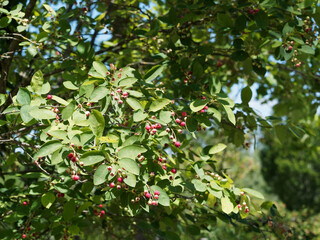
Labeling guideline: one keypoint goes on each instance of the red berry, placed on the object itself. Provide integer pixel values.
(148, 127)
(112, 185)
(70, 155)
(156, 193)
(100, 206)
(206, 107)
(76, 177)
(74, 159)
(102, 212)
(24, 236)
(203, 111)
(49, 97)
(25, 203)
(156, 197)
(183, 124)
(173, 170)
(120, 179)
(148, 195)
(109, 168)
(184, 114)
(87, 113)
(177, 144)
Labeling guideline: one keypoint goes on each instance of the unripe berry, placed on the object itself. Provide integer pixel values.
(178, 120)
(118, 187)
(168, 130)
(109, 168)
(87, 113)
(172, 114)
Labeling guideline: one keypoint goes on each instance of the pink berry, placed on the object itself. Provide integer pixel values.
(178, 120)
(25, 203)
(172, 114)
(120, 179)
(120, 102)
(148, 195)
(164, 167)
(183, 124)
(148, 127)
(203, 111)
(156, 197)
(156, 193)
(206, 107)
(239, 206)
(49, 97)
(75, 177)
(177, 144)
(24, 236)
(173, 170)
(112, 185)
(100, 206)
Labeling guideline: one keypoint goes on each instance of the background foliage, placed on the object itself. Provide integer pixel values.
(117, 122)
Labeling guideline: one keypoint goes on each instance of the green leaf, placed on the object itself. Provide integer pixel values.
(192, 124)
(217, 148)
(159, 104)
(307, 49)
(100, 174)
(32, 51)
(199, 186)
(68, 110)
(97, 123)
(198, 105)
(164, 199)
(216, 113)
(25, 113)
(127, 82)
(154, 72)
(131, 151)
(47, 199)
(226, 205)
(60, 134)
(98, 93)
(49, 147)
(59, 100)
(69, 210)
(130, 180)
(262, 19)
(139, 116)
(246, 95)
(100, 68)
(134, 103)
(129, 165)
(230, 114)
(92, 157)
(110, 138)
(37, 81)
(253, 192)
(45, 88)
(56, 157)
(2, 99)
(239, 55)
(70, 85)
(87, 187)
(50, 9)
(42, 113)
(165, 116)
